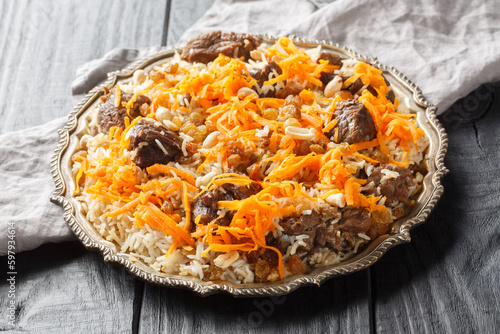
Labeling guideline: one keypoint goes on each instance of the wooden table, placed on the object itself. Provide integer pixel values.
(445, 281)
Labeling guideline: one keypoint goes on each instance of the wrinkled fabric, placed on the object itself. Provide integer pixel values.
(447, 48)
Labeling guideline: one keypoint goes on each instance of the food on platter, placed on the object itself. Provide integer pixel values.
(242, 161)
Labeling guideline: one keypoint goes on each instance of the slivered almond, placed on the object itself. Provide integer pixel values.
(139, 77)
(333, 86)
(300, 133)
(225, 260)
(118, 97)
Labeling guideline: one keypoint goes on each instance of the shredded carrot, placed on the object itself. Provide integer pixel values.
(187, 206)
(151, 215)
(363, 145)
(130, 205)
(158, 168)
(315, 121)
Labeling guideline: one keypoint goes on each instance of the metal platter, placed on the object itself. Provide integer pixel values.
(408, 94)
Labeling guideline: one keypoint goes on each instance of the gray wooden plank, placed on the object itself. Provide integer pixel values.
(338, 306)
(448, 279)
(62, 288)
(43, 42)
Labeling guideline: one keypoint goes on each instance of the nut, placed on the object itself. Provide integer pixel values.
(292, 122)
(162, 114)
(300, 133)
(257, 55)
(336, 200)
(225, 260)
(210, 140)
(139, 77)
(245, 92)
(333, 86)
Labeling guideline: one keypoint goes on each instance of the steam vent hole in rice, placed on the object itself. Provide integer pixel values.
(247, 162)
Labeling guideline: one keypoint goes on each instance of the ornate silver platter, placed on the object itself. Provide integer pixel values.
(408, 94)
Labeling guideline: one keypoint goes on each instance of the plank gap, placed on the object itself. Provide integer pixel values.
(166, 23)
(371, 281)
(137, 305)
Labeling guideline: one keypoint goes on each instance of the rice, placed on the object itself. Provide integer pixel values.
(299, 181)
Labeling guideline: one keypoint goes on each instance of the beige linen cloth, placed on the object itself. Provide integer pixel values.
(447, 48)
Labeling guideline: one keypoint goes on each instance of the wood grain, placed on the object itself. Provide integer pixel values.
(340, 305)
(43, 42)
(63, 287)
(446, 280)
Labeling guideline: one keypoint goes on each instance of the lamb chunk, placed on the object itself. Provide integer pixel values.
(211, 198)
(355, 220)
(253, 256)
(305, 224)
(207, 204)
(291, 88)
(242, 192)
(333, 59)
(205, 48)
(109, 115)
(343, 236)
(207, 213)
(372, 90)
(391, 96)
(263, 75)
(320, 238)
(154, 143)
(279, 243)
(355, 123)
(355, 86)
(394, 189)
(297, 225)
(326, 77)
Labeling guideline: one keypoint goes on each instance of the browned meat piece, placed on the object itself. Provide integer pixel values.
(355, 123)
(355, 220)
(291, 88)
(332, 58)
(343, 236)
(395, 189)
(154, 143)
(391, 96)
(253, 256)
(372, 90)
(109, 115)
(326, 77)
(305, 224)
(263, 75)
(278, 243)
(207, 213)
(320, 238)
(242, 192)
(355, 86)
(271, 257)
(206, 205)
(296, 225)
(205, 48)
